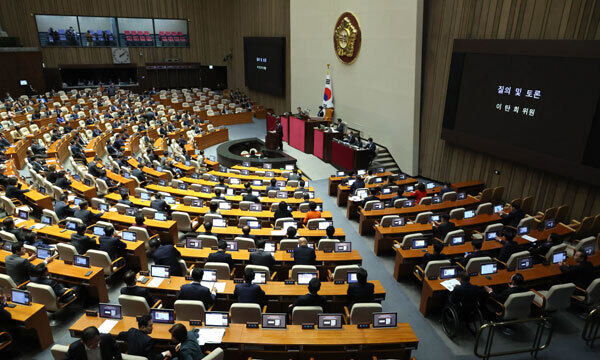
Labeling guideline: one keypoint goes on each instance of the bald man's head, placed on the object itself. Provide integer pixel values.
(302, 241)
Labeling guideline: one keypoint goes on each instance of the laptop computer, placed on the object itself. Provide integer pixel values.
(196, 203)
(289, 166)
(260, 278)
(81, 261)
(234, 181)
(159, 271)
(216, 319)
(209, 275)
(273, 321)
(352, 277)
(448, 272)
(429, 186)
(469, 214)
(43, 253)
(163, 316)
(110, 311)
(20, 297)
(71, 225)
(329, 321)
(23, 214)
(130, 211)
(232, 246)
(170, 200)
(398, 222)
(270, 246)
(160, 216)
(305, 277)
(457, 240)
(323, 225)
(385, 320)
(549, 224)
(219, 223)
(145, 196)
(99, 231)
(558, 257)
(162, 182)
(253, 224)
(192, 243)
(524, 263)
(489, 268)
(523, 230)
(340, 173)
(419, 243)
(461, 196)
(129, 235)
(498, 208)
(342, 246)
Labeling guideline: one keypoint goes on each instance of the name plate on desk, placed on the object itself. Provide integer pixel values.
(363, 326)
(338, 282)
(195, 322)
(238, 281)
(308, 326)
(91, 313)
(289, 282)
(252, 325)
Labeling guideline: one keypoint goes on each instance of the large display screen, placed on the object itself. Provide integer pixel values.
(264, 64)
(57, 30)
(535, 102)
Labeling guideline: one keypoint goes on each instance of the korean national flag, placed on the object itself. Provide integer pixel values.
(328, 93)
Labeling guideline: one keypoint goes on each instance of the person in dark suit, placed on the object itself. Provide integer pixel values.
(466, 294)
(582, 273)
(509, 247)
(21, 269)
(51, 174)
(372, 149)
(139, 342)
(125, 199)
(340, 126)
(358, 184)
(437, 254)
(282, 211)
(272, 186)
(541, 248)
(477, 244)
(93, 346)
(113, 245)
(249, 292)
(515, 286)
(40, 276)
(303, 255)
(262, 257)
(81, 242)
(62, 181)
(196, 291)
(159, 204)
(139, 174)
(187, 346)
(8, 225)
(279, 131)
(94, 169)
(246, 232)
(440, 230)
(249, 196)
(86, 215)
(373, 195)
(513, 217)
(312, 298)
(221, 255)
(62, 209)
(166, 255)
(132, 289)
(13, 190)
(361, 291)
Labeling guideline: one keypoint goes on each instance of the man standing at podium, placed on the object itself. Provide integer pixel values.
(279, 131)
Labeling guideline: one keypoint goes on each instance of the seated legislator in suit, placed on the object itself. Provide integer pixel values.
(582, 273)
(282, 211)
(159, 204)
(441, 229)
(477, 252)
(132, 289)
(41, 276)
(437, 254)
(94, 346)
(468, 295)
(62, 209)
(249, 196)
(303, 255)
(361, 291)
(186, 343)
(196, 291)
(113, 245)
(312, 298)
(262, 257)
(86, 215)
(166, 255)
(221, 255)
(139, 173)
(515, 286)
(509, 247)
(513, 217)
(139, 342)
(20, 269)
(249, 292)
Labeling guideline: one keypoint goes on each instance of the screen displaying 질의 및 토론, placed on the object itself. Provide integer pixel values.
(534, 102)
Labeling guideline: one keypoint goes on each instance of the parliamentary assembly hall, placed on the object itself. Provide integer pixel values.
(299, 179)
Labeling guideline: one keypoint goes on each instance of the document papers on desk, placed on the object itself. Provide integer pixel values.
(450, 284)
(278, 232)
(39, 226)
(210, 335)
(218, 286)
(155, 282)
(107, 326)
(529, 238)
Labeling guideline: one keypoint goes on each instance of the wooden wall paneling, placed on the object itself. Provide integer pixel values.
(498, 19)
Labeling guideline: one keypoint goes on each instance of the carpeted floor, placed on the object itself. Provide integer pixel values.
(402, 298)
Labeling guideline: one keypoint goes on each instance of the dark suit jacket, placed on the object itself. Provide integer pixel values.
(311, 300)
(57, 287)
(444, 228)
(513, 218)
(467, 294)
(509, 248)
(139, 174)
(18, 268)
(431, 257)
(108, 349)
(279, 131)
(63, 210)
(263, 258)
(249, 293)
(52, 177)
(282, 213)
(139, 343)
(86, 216)
(502, 296)
(221, 256)
(358, 293)
(581, 274)
(303, 255)
(63, 182)
(113, 245)
(160, 205)
(474, 254)
(250, 197)
(167, 255)
(15, 192)
(195, 291)
(83, 243)
(359, 183)
(138, 291)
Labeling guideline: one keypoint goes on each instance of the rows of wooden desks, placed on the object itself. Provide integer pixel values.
(33, 197)
(368, 218)
(95, 283)
(272, 234)
(136, 250)
(240, 342)
(353, 204)
(240, 187)
(433, 293)
(385, 236)
(406, 259)
(264, 215)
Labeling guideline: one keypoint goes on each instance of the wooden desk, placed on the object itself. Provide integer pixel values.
(167, 230)
(95, 283)
(228, 119)
(240, 342)
(32, 197)
(335, 181)
(353, 205)
(322, 143)
(273, 235)
(34, 317)
(343, 191)
(302, 133)
(406, 259)
(240, 187)
(149, 171)
(368, 218)
(385, 236)
(433, 294)
(18, 152)
(130, 184)
(212, 138)
(347, 158)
